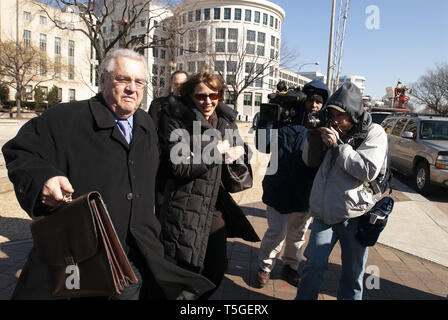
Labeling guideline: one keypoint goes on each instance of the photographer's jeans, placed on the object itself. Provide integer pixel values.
(353, 255)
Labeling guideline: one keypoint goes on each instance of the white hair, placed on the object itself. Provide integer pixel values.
(108, 64)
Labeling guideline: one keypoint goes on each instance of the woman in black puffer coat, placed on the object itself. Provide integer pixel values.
(197, 213)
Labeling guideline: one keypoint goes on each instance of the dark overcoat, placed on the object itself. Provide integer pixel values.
(81, 141)
(192, 188)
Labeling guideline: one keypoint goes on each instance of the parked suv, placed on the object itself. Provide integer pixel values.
(418, 146)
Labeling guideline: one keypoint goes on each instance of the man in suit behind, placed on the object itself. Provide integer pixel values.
(155, 109)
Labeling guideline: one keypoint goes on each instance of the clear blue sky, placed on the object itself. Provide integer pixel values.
(412, 37)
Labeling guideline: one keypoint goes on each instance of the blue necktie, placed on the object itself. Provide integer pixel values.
(125, 129)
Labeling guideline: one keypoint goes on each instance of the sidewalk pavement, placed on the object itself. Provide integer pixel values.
(408, 262)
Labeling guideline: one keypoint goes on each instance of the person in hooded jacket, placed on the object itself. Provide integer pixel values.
(198, 213)
(286, 191)
(349, 154)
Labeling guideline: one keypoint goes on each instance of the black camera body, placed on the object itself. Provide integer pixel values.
(318, 120)
(283, 106)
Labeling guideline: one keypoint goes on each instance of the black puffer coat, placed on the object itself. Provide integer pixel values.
(191, 188)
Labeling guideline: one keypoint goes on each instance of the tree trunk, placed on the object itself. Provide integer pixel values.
(18, 105)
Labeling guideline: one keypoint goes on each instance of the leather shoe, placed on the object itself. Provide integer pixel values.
(263, 277)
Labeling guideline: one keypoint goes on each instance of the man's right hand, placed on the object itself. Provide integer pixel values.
(54, 191)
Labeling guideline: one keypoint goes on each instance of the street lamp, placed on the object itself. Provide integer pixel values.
(304, 64)
(300, 67)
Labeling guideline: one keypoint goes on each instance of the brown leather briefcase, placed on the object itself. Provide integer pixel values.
(81, 250)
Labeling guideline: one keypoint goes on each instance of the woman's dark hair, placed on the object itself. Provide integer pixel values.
(207, 77)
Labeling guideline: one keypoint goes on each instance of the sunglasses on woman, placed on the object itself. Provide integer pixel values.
(203, 97)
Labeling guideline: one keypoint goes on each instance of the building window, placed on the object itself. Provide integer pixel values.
(232, 47)
(217, 13)
(42, 20)
(198, 15)
(233, 34)
(207, 14)
(227, 13)
(202, 42)
(272, 41)
(192, 40)
(272, 56)
(261, 37)
(230, 97)
(26, 16)
(257, 17)
(249, 67)
(162, 54)
(238, 14)
(43, 67)
(260, 51)
(258, 99)
(220, 33)
(250, 35)
(191, 67)
(71, 95)
(265, 18)
(248, 99)
(71, 59)
(250, 48)
(276, 23)
(43, 42)
(60, 94)
(220, 47)
(219, 66)
(271, 21)
(26, 38)
(57, 46)
(259, 83)
(190, 16)
(248, 15)
(231, 66)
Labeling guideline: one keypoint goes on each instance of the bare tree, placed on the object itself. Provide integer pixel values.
(431, 90)
(244, 66)
(110, 23)
(24, 66)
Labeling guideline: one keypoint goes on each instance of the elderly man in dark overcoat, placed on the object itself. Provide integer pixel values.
(104, 144)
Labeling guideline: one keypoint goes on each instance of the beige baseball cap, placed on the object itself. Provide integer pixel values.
(336, 108)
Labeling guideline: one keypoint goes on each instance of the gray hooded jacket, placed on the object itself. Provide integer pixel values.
(339, 192)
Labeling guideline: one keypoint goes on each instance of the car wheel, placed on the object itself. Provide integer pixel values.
(422, 178)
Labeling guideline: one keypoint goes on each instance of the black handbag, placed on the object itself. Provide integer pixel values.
(373, 222)
(237, 177)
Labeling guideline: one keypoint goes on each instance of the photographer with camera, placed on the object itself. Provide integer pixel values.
(286, 192)
(349, 151)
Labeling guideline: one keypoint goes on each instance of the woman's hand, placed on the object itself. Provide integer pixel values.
(234, 153)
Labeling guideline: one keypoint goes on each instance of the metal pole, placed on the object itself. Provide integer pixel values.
(330, 49)
(18, 92)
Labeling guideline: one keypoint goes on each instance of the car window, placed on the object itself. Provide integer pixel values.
(378, 117)
(411, 126)
(387, 124)
(399, 127)
(434, 130)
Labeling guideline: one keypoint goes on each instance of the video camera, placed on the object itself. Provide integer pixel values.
(283, 105)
